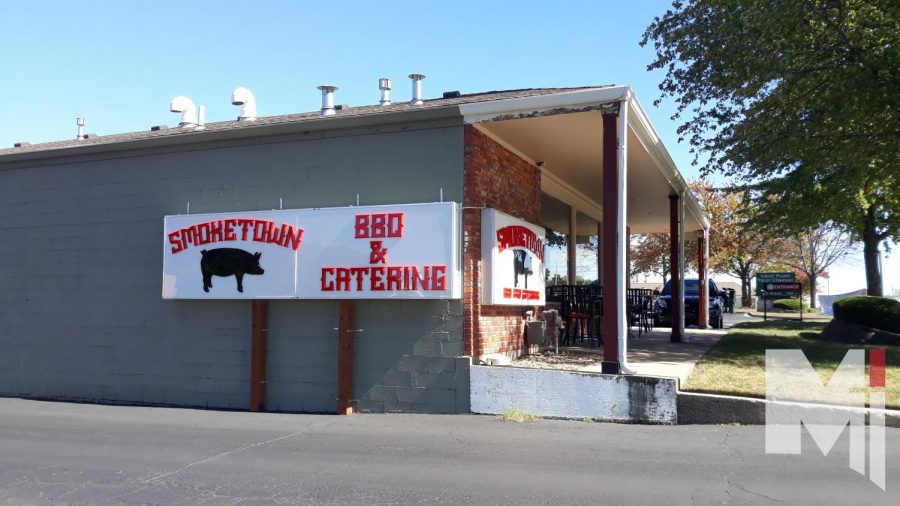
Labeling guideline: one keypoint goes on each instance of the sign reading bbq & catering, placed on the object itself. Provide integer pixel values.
(408, 251)
(512, 253)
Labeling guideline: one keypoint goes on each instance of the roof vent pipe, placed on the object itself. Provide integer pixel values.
(327, 99)
(80, 134)
(416, 88)
(188, 112)
(243, 97)
(384, 84)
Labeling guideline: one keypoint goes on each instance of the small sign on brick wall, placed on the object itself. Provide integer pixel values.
(512, 253)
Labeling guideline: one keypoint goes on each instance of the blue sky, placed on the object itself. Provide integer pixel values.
(119, 63)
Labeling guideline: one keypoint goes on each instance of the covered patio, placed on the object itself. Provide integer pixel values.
(604, 172)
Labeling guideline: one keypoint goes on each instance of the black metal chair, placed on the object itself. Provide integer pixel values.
(639, 309)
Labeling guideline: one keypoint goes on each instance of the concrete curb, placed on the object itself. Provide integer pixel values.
(573, 394)
(696, 408)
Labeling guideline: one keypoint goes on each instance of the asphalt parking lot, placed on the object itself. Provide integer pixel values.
(89, 454)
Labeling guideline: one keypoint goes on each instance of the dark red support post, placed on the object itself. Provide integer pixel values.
(703, 308)
(677, 299)
(258, 349)
(608, 243)
(345, 357)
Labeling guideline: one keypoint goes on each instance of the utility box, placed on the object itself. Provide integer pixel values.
(534, 332)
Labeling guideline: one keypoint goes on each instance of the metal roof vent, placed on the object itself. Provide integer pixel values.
(384, 84)
(416, 88)
(243, 97)
(21, 144)
(327, 99)
(80, 134)
(188, 112)
(452, 94)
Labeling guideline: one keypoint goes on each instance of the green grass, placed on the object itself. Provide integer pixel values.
(737, 364)
(516, 415)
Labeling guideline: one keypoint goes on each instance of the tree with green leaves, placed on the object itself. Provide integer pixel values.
(797, 100)
(735, 248)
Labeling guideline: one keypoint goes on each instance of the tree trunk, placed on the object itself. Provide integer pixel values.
(745, 290)
(812, 293)
(871, 255)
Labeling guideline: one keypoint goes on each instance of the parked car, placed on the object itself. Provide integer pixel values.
(662, 308)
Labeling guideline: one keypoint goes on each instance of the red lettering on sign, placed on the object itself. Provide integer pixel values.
(215, 231)
(518, 236)
(358, 273)
(229, 230)
(439, 277)
(378, 225)
(393, 278)
(260, 230)
(395, 224)
(201, 234)
(327, 282)
(245, 226)
(264, 231)
(377, 278)
(362, 226)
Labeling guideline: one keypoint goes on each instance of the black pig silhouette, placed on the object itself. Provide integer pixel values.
(521, 265)
(228, 262)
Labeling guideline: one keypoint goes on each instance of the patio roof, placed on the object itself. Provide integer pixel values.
(562, 133)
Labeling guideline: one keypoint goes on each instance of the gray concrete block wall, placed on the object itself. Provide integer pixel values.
(81, 316)
(301, 364)
(407, 357)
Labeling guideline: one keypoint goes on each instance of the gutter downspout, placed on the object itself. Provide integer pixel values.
(684, 337)
(621, 237)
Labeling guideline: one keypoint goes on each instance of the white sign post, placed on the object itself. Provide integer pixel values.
(512, 253)
(408, 251)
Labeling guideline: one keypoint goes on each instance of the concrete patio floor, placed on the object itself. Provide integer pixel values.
(652, 354)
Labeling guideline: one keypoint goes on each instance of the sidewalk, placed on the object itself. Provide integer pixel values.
(652, 354)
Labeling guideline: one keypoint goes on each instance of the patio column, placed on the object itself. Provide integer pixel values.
(600, 252)
(612, 243)
(572, 243)
(674, 266)
(703, 308)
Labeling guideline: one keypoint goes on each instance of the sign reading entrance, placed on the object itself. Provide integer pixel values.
(777, 284)
(512, 253)
(408, 251)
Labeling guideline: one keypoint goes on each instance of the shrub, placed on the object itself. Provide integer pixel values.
(789, 304)
(880, 313)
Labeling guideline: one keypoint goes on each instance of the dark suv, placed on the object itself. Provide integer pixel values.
(662, 308)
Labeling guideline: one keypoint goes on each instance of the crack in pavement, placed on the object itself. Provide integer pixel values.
(156, 478)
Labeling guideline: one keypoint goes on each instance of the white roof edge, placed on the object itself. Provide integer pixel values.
(644, 130)
(485, 111)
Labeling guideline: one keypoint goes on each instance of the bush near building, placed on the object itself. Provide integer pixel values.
(880, 313)
(788, 304)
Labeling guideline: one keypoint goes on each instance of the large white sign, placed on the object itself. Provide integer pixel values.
(408, 251)
(512, 253)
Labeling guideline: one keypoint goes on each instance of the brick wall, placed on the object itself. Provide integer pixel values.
(497, 178)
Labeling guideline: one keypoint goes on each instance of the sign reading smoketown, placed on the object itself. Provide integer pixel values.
(408, 251)
(512, 253)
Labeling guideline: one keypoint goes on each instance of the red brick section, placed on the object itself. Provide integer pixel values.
(497, 178)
